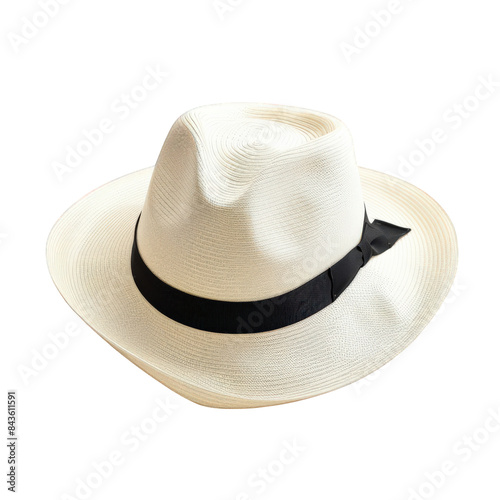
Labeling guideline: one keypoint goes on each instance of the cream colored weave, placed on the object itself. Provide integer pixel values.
(248, 201)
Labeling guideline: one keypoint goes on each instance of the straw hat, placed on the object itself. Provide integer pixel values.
(243, 270)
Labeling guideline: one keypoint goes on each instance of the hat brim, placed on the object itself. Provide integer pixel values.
(382, 311)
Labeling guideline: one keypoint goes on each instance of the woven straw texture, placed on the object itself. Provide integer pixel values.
(247, 202)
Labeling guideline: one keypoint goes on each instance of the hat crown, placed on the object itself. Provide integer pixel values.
(249, 201)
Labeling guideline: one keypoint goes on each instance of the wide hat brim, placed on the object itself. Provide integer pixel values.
(383, 310)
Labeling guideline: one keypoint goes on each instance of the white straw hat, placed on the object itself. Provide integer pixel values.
(241, 271)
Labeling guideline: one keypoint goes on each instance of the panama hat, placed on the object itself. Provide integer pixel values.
(256, 263)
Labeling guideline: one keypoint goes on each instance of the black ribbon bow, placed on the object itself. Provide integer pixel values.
(378, 236)
(269, 314)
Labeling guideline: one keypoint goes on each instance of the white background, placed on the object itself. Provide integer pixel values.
(381, 438)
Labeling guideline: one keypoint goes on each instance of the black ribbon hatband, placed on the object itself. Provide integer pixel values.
(269, 314)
